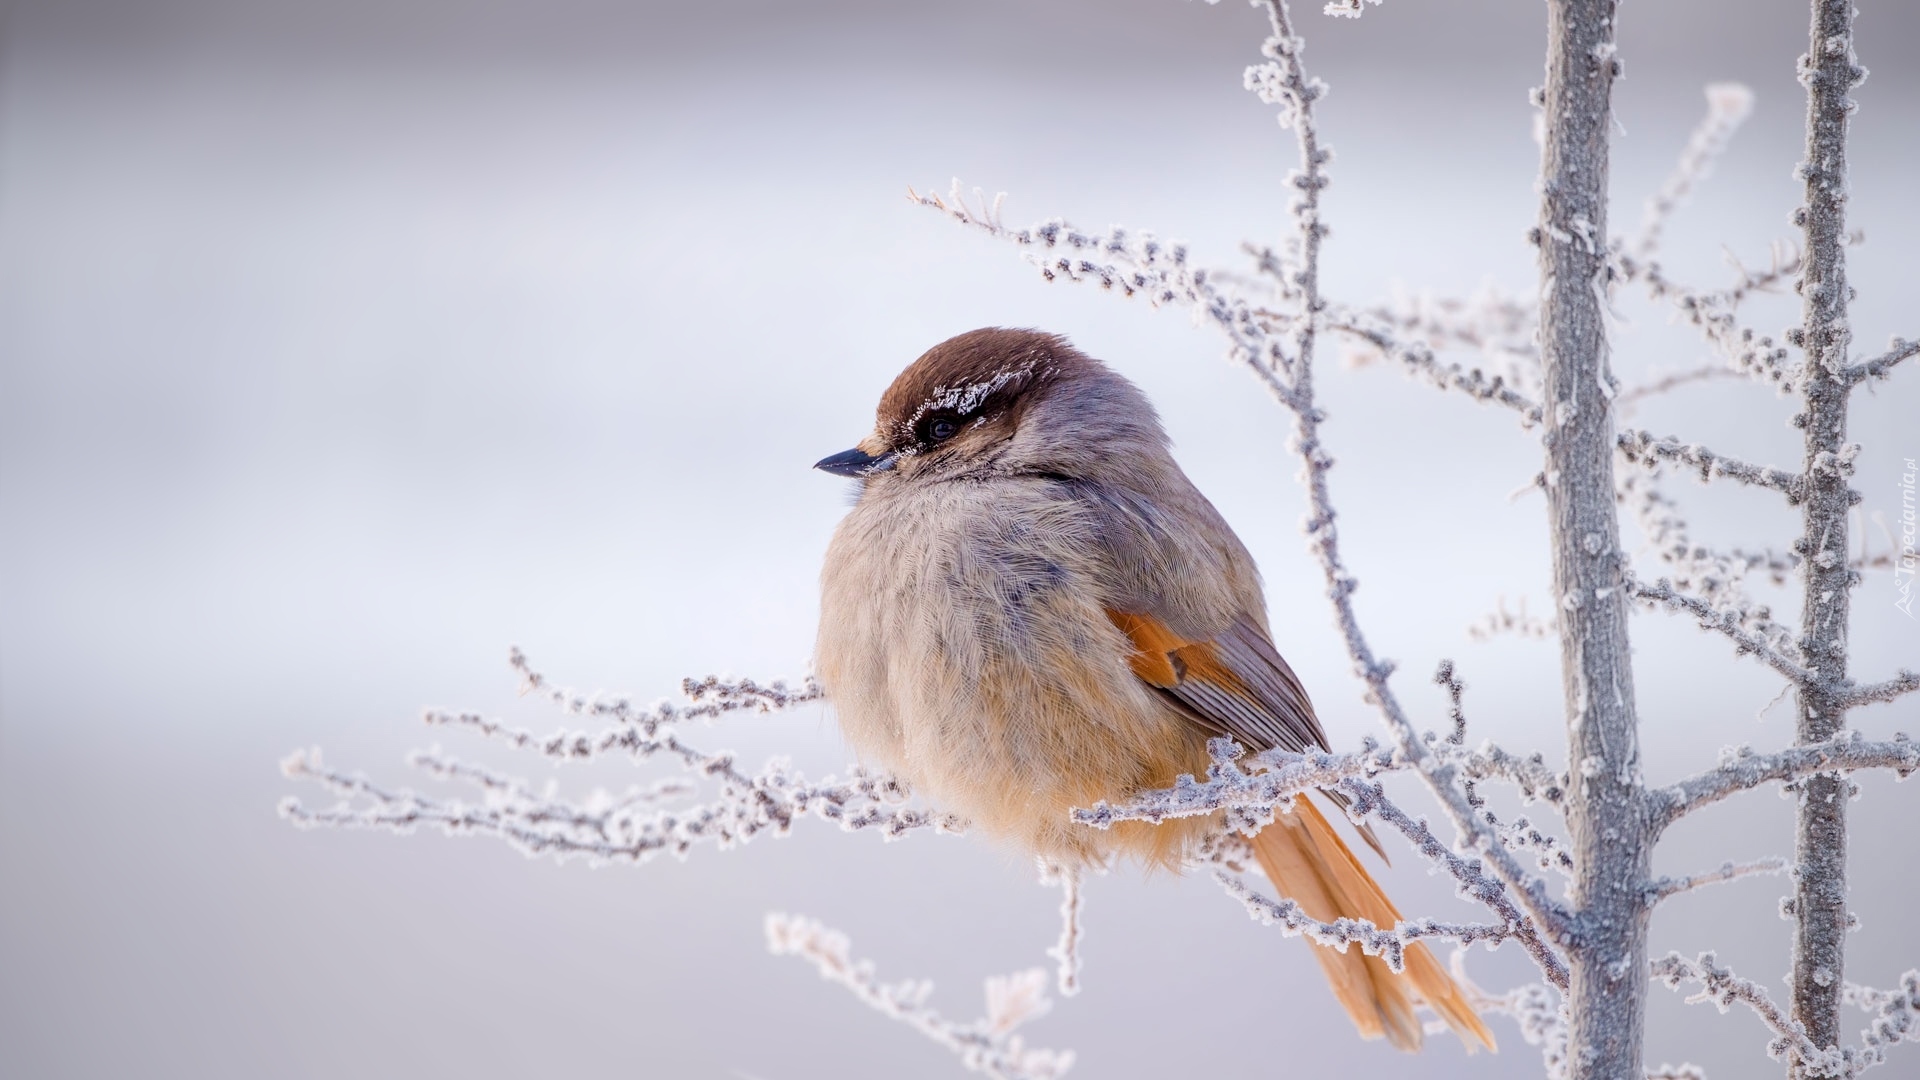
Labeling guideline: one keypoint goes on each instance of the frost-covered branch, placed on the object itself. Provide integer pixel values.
(1530, 774)
(1633, 395)
(1535, 920)
(1881, 366)
(1722, 620)
(1610, 839)
(990, 1045)
(1727, 107)
(1285, 82)
(1741, 769)
(1906, 682)
(1715, 315)
(1421, 362)
(1066, 951)
(1723, 988)
(1282, 777)
(628, 828)
(1539, 1009)
(1388, 944)
(1715, 577)
(1645, 448)
(1251, 798)
(1135, 264)
(605, 828)
(1662, 888)
(1896, 1019)
(1519, 623)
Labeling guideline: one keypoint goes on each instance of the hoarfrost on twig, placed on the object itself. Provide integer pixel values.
(1881, 366)
(1742, 770)
(1896, 1019)
(625, 828)
(1066, 951)
(1517, 622)
(1633, 395)
(1539, 1009)
(1646, 449)
(1727, 107)
(1727, 621)
(1723, 988)
(989, 1045)
(1662, 888)
(1136, 264)
(1389, 944)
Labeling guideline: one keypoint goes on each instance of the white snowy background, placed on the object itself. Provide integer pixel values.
(343, 345)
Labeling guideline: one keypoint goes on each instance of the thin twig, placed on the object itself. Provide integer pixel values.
(1662, 888)
(1881, 366)
(1644, 448)
(1743, 770)
(1723, 621)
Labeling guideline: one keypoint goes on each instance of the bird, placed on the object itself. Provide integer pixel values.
(1030, 608)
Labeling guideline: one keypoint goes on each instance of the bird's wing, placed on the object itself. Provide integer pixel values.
(1235, 684)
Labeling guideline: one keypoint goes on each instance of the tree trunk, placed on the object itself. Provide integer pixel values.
(1606, 816)
(1820, 899)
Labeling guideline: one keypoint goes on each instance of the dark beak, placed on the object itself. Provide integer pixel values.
(855, 463)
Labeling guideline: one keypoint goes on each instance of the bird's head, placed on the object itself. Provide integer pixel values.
(998, 402)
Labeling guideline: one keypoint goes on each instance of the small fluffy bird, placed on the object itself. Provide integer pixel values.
(1030, 608)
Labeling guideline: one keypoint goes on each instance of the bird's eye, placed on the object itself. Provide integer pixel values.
(942, 428)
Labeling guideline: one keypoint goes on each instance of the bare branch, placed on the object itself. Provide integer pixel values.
(1724, 621)
(1285, 776)
(1418, 358)
(1906, 682)
(1286, 83)
(1137, 265)
(607, 829)
(1519, 623)
(1532, 921)
(1644, 448)
(1714, 314)
(1538, 1008)
(1066, 951)
(1723, 988)
(1635, 394)
(1727, 107)
(1662, 888)
(1898, 1018)
(989, 1045)
(1717, 577)
(1742, 770)
(1881, 366)
(1389, 945)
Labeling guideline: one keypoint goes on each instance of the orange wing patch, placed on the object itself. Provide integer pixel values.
(1153, 647)
(1164, 659)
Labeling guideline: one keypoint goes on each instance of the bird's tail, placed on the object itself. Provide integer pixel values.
(1309, 864)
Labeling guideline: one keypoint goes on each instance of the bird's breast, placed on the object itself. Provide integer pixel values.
(965, 645)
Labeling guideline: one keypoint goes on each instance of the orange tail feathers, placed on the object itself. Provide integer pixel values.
(1309, 864)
